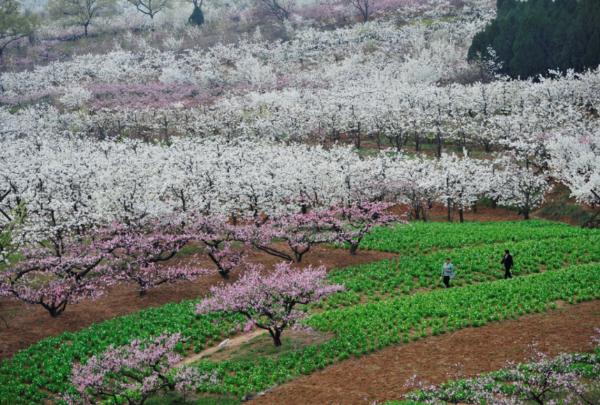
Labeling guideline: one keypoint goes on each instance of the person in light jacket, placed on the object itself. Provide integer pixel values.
(447, 272)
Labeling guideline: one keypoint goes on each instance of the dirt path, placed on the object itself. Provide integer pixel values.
(28, 324)
(381, 376)
(227, 343)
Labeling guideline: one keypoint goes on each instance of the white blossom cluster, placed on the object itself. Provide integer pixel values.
(64, 183)
(312, 57)
(378, 80)
(67, 161)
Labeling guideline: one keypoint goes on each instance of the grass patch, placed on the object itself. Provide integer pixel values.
(174, 398)
(262, 346)
(190, 250)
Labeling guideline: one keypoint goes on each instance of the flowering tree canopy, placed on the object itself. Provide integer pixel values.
(133, 373)
(358, 219)
(61, 274)
(575, 160)
(269, 301)
(300, 232)
(141, 250)
(217, 235)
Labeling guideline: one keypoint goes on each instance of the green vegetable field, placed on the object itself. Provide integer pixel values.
(386, 303)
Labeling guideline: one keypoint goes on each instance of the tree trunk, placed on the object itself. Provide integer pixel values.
(461, 214)
(55, 311)
(274, 252)
(439, 145)
(222, 272)
(85, 29)
(449, 203)
(276, 335)
(487, 147)
(357, 140)
(353, 248)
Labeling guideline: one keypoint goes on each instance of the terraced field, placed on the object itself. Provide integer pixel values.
(386, 303)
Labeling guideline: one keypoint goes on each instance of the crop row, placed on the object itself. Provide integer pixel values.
(424, 237)
(365, 328)
(45, 367)
(406, 274)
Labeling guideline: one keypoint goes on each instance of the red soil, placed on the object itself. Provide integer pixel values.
(382, 376)
(27, 324)
(439, 213)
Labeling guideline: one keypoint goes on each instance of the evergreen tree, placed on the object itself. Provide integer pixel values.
(531, 37)
(197, 17)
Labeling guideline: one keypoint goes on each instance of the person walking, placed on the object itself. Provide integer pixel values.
(447, 272)
(507, 261)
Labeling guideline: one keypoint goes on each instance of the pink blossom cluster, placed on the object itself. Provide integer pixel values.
(269, 301)
(84, 265)
(69, 270)
(149, 95)
(357, 219)
(302, 231)
(133, 372)
(140, 250)
(217, 235)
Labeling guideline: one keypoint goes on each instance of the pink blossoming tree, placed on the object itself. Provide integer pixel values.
(217, 235)
(132, 373)
(59, 274)
(269, 301)
(300, 232)
(142, 250)
(358, 219)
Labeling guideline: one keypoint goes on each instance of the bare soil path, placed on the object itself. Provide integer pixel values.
(382, 376)
(227, 343)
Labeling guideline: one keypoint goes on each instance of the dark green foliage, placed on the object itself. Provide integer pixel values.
(197, 17)
(561, 210)
(531, 37)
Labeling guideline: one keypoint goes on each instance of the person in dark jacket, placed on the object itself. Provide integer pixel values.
(507, 261)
